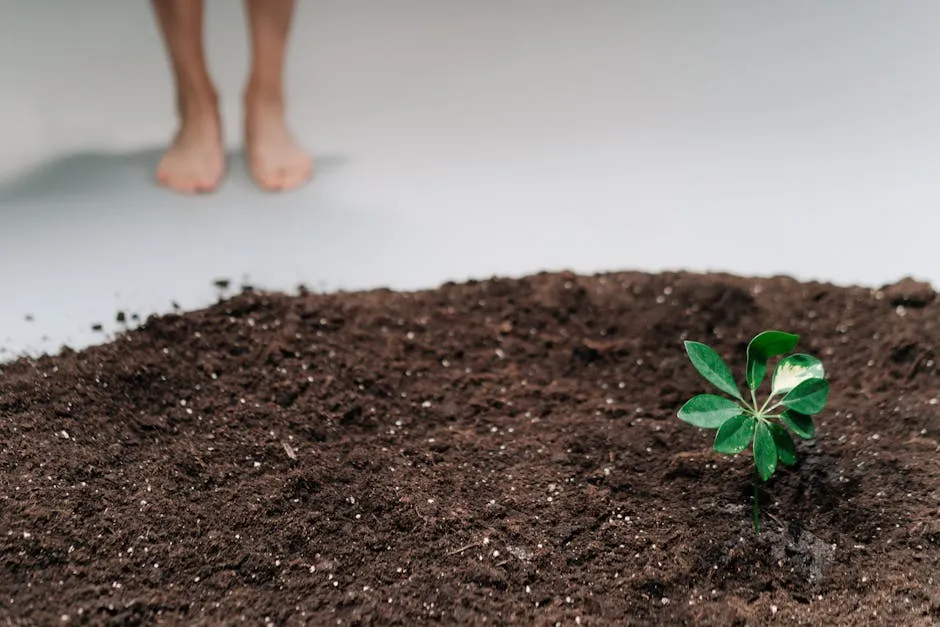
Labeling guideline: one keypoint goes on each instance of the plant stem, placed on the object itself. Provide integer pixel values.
(754, 400)
(756, 504)
(763, 408)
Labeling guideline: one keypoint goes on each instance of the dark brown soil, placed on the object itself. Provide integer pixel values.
(498, 452)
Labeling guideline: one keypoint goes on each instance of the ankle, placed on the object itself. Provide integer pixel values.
(198, 103)
(258, 93)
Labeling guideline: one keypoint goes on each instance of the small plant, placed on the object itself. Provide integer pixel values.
(799, 391)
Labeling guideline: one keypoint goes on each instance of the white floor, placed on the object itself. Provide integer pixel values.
(461, 139)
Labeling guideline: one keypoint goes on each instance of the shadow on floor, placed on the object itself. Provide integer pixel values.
(92, 174)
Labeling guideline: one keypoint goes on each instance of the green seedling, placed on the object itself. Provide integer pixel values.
(799, 391)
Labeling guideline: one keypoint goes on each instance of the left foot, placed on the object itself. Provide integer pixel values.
(276, 161)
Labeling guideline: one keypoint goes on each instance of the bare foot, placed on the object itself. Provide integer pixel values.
(195, 161)
(276, 161)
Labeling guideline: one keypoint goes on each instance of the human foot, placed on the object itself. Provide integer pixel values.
(276, 161)
(195, 161)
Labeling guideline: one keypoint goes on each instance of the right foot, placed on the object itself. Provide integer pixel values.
(195, 161)
(276, 161)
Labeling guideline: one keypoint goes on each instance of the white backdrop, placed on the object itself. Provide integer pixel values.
(460, 139)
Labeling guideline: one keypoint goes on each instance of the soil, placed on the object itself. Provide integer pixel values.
(497, 452)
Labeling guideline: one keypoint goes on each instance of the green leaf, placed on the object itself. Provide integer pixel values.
(809, 397)
(764, 346)
(711, 366)
(734, 436)
(786, 451)
(765, 451)
(708, 411)
(793, 370)
(800, 424)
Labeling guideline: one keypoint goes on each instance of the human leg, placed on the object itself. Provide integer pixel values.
(275, 159)
(195, 160)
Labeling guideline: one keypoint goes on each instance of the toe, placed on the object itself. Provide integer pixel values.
(185, 187)
(206, 184)
(295, 179)
(270, 181)
(281, 179)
